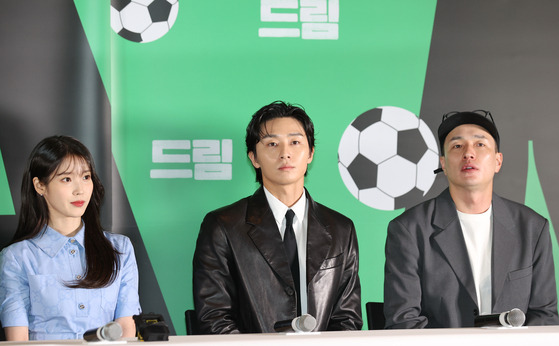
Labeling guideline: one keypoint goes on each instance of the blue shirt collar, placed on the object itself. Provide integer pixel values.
(51, 242)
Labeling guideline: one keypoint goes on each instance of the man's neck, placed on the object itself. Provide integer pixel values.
(471, 201)
(288, 195)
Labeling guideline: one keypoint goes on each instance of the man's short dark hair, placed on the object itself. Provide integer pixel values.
(276, 109)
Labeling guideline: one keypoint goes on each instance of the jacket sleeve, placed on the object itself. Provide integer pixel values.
(347, 312)
(542, 309)
(213, 286)
(402, 281)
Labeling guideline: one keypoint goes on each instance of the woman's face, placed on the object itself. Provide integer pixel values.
(68, 191)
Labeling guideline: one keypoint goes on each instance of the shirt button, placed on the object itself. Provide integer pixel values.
(72, 252)
(81, 306)
(72, 240)
(78, 277)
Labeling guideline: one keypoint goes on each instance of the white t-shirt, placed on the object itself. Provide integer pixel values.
(478, 234)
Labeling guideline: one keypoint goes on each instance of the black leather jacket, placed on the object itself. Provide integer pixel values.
(242, 281)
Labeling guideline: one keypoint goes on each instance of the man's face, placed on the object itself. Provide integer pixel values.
(471, 159)
(282, 154)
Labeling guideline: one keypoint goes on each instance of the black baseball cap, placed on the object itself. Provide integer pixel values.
(478, 117)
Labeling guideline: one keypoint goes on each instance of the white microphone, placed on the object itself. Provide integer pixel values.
(302, 324)
(512, 318)
(111, 331)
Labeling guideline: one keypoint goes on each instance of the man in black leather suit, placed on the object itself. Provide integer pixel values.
(242, 278)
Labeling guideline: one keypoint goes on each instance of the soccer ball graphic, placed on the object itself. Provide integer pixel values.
(387, 157)
(143, 20)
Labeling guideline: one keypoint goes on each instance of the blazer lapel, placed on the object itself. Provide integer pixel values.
(265, 235)
(451, 242)
(504, 242)
(319, 239)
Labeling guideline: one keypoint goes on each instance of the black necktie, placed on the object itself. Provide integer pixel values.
(290, 245)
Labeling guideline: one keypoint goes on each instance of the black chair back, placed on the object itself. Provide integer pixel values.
(191, 322)
(375, 315)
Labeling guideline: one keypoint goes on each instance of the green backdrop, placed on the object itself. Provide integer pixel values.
(198, 86)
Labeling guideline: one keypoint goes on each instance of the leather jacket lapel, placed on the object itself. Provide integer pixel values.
(451, 242)
(264, 232)
(319, 240)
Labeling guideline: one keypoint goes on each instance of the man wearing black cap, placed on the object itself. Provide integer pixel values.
(468, 252)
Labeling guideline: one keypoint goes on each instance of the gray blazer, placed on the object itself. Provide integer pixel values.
(428, 278)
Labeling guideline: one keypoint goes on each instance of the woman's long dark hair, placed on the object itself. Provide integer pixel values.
(102, 260)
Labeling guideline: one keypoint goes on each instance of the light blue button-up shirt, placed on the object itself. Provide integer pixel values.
(33, 294)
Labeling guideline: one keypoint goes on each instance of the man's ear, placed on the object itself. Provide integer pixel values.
(441, 160)
(252, 158)
(311, 156)
(499, 162)
(39, 187)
